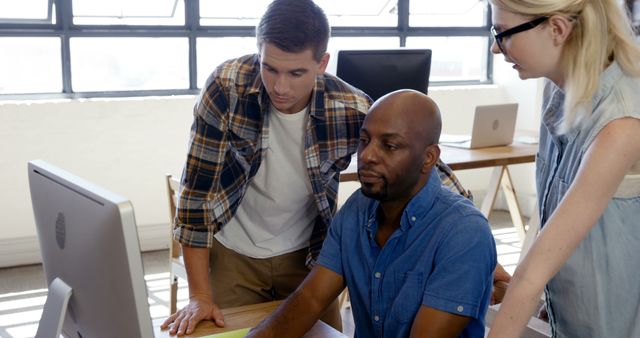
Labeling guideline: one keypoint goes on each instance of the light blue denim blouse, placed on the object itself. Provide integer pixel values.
(597, 292)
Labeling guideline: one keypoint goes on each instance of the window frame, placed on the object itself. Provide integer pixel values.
(65, 29)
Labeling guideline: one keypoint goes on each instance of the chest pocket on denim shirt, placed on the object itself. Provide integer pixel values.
(407, 301)
(557, 190)
(554, 188)
(541, 171)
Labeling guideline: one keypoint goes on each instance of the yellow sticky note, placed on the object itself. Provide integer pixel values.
(230, 334)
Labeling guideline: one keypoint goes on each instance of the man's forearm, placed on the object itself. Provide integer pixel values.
(301, 310)
(293, 318)
(196, 261)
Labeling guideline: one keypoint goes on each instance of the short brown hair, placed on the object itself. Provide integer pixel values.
(294, 26)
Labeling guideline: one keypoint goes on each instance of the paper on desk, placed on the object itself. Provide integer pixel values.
(527, 139)
(453, 138)
(230, 334)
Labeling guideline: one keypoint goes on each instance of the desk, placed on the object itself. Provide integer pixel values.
(246, 316)
(498, 158)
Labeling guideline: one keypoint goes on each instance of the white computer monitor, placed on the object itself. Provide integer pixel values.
(91, 257)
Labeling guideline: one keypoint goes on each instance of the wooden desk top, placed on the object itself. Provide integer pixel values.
(460, 158)
(246, 316)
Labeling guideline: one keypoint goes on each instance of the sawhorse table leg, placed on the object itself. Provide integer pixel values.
(500, 177)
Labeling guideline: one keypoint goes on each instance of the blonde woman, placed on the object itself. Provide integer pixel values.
(587, 169)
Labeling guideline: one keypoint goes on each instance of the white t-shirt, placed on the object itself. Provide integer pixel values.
(277, 212)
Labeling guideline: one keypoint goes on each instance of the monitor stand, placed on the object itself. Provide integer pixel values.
(55, 309)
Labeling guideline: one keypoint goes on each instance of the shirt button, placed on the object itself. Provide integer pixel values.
(377, 274)
(376, 318)
(460, 308)
(413, 218)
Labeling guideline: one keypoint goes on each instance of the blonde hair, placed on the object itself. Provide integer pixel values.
(602, 33)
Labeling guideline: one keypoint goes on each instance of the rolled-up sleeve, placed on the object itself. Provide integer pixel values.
(199, 194)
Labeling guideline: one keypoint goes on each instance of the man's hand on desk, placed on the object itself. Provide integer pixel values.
(186, 319)
(501, 279)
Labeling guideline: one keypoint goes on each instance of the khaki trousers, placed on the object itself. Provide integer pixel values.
(240, 280)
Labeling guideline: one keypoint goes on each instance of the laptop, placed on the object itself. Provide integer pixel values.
(493, 125)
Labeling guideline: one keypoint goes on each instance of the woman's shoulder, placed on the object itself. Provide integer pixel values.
(616, 99)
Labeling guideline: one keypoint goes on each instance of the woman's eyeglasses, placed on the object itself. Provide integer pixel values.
(517, 29)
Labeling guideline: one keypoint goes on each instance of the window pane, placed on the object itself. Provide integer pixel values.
(24, 9)
(340, 13)
(361, 12)
(213, 51)
(437, 13)
(128, 12)
(30, 65)
(232, 13)
(112, 64)
(455, 58)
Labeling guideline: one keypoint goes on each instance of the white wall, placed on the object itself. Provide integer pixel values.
(127, 145)
(124, 145)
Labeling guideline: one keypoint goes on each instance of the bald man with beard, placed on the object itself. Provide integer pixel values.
(417, 258)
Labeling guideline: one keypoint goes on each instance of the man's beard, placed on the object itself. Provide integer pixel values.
(380, 195)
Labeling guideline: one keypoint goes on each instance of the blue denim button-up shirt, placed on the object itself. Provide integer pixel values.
(442, 256)
(597, 292)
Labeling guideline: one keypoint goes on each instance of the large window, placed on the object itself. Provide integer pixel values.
(118, 64)
(30, 65)
(83, 48)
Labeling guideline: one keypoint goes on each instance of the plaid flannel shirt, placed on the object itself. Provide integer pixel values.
(229, 137)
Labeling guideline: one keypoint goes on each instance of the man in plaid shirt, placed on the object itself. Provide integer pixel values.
(271, 133)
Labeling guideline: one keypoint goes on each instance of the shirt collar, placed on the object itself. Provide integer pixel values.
(610, 76)
(421, 204)
(552, 117)
(317, 104)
